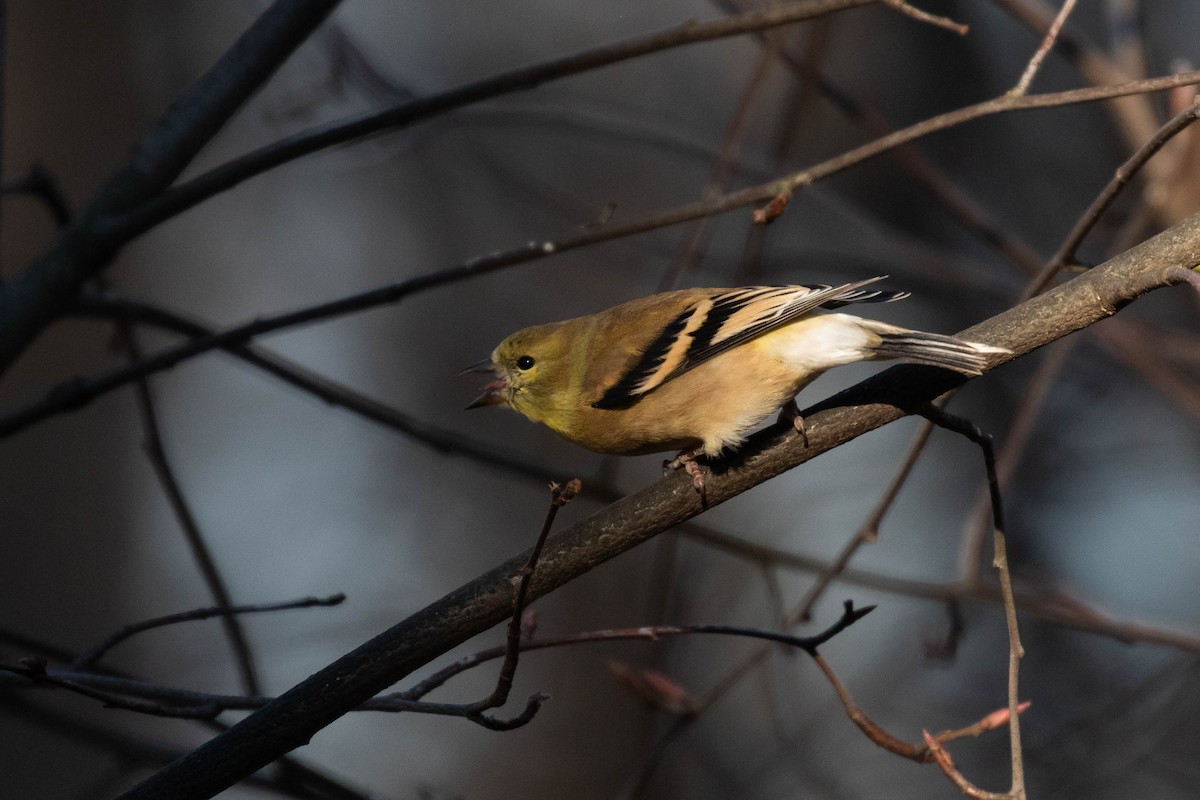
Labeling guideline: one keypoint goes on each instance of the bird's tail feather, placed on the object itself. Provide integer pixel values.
(932, 349)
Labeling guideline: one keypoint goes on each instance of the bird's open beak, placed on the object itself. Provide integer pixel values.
(480, 366)
(494, 392)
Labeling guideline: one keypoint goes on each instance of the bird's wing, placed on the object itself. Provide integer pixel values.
(717, 322)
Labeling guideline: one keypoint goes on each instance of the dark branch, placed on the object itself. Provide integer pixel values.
(292, 719)
(401, 115)
(85, 247)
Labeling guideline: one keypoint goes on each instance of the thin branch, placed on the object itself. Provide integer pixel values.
(1039, 55)
(293, 781)
(920, 753)
(924, 16)
(1066, 253)
(969, 213)
(81, 391)
(942, 757)
(868, 532)
(808, 644)
(401, 115)
(1042, 604)
(972, 433)
(108, 306)
(292, 719)
(1134, 117)
(47, 284)
(1020, 429)
(38, 674)
(88, 658)
(201, 553)
(559, 497)
(295, 778)
(695, 238)
(167, 701)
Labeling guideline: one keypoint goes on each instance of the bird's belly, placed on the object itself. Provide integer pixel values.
(713, 406)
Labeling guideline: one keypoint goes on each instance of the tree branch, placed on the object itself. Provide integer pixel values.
(292, 719)
(87, 246)
(402, 115)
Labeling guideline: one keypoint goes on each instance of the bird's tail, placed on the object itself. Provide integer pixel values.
(932, 349)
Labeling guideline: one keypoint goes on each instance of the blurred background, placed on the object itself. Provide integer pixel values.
(299, 498)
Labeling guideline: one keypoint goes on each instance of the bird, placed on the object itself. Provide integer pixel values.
(697, 370)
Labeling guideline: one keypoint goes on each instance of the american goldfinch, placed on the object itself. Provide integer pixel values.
(696, 370)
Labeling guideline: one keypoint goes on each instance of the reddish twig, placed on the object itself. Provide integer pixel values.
(942, 758)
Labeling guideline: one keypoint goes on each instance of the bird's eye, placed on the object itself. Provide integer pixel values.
(525, 362)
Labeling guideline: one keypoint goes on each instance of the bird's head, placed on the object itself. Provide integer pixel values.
(532, 370)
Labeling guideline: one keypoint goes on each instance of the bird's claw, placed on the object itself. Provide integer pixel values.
(687, 460)
(790, 412)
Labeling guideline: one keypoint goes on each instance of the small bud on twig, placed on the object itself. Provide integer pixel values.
(768, 213)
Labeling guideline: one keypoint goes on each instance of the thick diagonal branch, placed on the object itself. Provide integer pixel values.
(84, 247)
(292, 719)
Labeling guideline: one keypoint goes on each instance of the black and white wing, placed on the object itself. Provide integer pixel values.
(721, 321)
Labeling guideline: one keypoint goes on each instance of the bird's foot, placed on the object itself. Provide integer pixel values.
(791, 413)
(687, 460)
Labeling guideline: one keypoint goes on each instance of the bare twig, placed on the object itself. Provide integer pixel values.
(921, 753)
(1020, 429)
(1135, 117)
(1066, 253)
(47, 284)
(130, 751)
(942, 757)
(399, 116)
(1039, 55)
(695, 238)
(924, 16)
(76, 393)
(808, 644)
(167, 701)
(37, 673)
(108, 306)
(868, 532)
(290, 778)
(559, 497)
(88, 658)
(292, 719)
(201, 553)
(972, 433)
(1039, 603)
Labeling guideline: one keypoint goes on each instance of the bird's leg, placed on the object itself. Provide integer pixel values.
(790, 412)
(687, 460)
